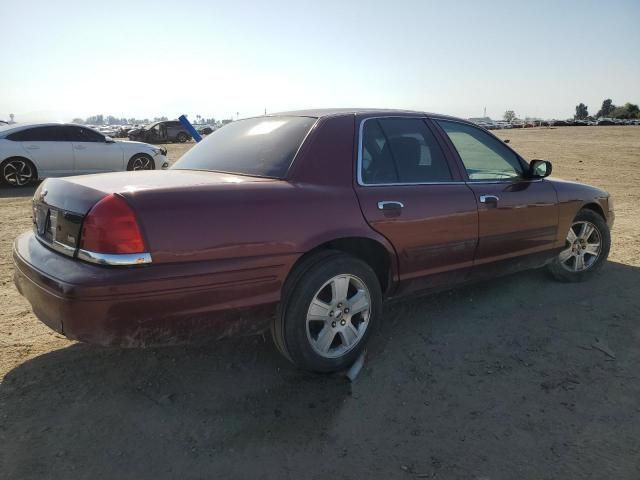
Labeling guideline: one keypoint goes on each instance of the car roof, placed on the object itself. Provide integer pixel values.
(333, 112)
(16, 127)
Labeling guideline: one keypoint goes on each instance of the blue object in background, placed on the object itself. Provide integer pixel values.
(187, 125)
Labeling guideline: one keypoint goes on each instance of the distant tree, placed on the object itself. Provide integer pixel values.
(95, 120)
(581, 112)
(509, 115)
(607, 108)
(77, 120)
(629, 110)
(618, 112)
(632, 109)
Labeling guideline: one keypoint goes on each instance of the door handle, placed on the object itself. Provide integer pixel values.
(390, 205)
(489, 199)
(32, 147)
(79, 147)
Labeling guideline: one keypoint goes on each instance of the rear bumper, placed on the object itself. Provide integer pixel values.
(148, 305)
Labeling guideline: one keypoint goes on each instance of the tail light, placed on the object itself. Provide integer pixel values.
(111, 234)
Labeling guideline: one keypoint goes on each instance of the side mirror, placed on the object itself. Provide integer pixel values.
(540, 168)
(108, 139)
(506, 140)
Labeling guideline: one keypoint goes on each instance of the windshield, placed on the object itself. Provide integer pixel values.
(149, 127)
(261, 146)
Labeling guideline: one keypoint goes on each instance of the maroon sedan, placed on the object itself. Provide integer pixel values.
(302, 222)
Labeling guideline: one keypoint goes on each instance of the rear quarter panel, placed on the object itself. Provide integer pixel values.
(256, 221)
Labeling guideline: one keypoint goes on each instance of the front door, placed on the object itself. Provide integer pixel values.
(92, 153)
(409, 194)
(518, 216)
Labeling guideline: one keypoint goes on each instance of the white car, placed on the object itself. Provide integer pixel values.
(36, 151)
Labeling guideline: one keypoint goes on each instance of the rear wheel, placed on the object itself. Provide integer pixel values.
(586, 248)
(141, 161)
(182, 137)
(17, 172)
(329, 312)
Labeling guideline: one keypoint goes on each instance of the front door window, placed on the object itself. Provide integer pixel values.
(484, 157)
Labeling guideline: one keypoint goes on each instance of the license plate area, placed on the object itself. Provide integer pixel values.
(56, 228)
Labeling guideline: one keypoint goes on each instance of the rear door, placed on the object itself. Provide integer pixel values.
(92, 153)
(518, 216)
(410, 193)
(49, 149)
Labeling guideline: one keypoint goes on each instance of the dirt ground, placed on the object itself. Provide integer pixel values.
(492, 381)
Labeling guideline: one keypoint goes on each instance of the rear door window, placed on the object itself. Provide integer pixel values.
(40, 134)
(401, 150)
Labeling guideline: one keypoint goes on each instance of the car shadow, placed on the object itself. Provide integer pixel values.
(19, 192)
(460, 383)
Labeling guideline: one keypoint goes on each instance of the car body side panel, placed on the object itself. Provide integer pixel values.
(523, 221)
(435, 234)
(573, 196)
(97, 157)
(52, 159)
(9, 149)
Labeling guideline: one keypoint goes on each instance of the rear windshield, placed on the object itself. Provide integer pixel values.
(262, 146)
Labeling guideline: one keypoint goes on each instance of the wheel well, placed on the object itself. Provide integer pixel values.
(595, 208)
(18, 157)
(369, 251)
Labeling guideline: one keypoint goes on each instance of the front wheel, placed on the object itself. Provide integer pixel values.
(329, 313)
(17, 172)
(182, 137)
(140, 162)
(586, 248)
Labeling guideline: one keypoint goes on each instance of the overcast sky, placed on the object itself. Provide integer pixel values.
(63, 59)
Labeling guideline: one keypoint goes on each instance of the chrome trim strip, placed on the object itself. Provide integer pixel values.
(61, 247)
(117, 259)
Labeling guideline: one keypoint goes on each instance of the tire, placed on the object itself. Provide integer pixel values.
(327, 336)
(17, 172)
(586, 251)
(141, 161)
(182, 137)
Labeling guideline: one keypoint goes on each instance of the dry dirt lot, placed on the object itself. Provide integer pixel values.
(492, 381)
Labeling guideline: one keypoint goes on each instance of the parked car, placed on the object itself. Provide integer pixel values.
(304, 223)
(204, 129)
(35, 151)
(605, 121)
(108, 130)
(161, 132)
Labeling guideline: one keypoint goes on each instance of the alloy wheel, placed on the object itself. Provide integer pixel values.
(338, 316)
(583, 247)
(17, 173)
(141, 163)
